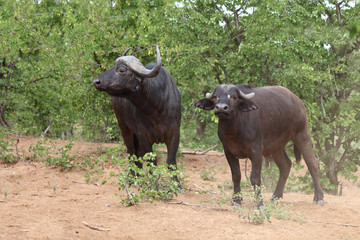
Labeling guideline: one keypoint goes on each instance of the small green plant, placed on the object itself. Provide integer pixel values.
(5, 191)
(49, 154)
(255, 215)
(279, 211)
(145, 184)
(53, 185)
(6, 147)
(94, 166)
(224, 197)
(272, 209)
(65, 160)
(39, 151)
(208, 175)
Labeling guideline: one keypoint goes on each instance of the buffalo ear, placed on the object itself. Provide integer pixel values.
(205, 104)
(247, 106)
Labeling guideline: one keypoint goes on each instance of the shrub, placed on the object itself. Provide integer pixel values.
(145, 184)
(7, 146)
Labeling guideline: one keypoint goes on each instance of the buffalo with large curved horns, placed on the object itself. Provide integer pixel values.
(146, 102)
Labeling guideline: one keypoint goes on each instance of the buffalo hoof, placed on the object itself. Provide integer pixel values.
(274, 199)
(235, 203)
(320, 202)
(180, 189)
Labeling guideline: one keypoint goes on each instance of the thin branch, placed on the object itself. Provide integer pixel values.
(126, 188)
(343, 157)
(38, 79)
(322, 105)
(94, 227)
(196, 152)
(339, 140)
(347, 146)
(331, 84)
(327, 12)
(241, 7)
(225, 73)
(338, 11)
(335, 223)
(16, 146)
(236, 18)
(346, 21)
(228, 25)
(217, 75)
(198, 205)
(267, 71)
(47, 129)
(318, 146)
(202, 190)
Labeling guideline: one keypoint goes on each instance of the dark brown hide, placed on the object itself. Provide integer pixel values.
(146, 103)
(262, 126)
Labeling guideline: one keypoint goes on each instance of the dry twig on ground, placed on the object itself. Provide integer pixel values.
(197, 151)
(95, 227)
(199, 205)
(335, 223)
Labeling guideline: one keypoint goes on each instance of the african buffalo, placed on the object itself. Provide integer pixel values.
(147, 104)
(260, 127)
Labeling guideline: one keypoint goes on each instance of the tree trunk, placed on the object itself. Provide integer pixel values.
(331, 173)
(201, 128)
(2, 116)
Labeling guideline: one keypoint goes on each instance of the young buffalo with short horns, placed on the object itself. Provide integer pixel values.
(257, 122)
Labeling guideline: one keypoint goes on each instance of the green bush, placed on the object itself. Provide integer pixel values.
(47, 152)
(145, 184)
(7, 147)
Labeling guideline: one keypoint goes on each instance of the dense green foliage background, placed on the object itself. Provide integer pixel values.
(51, 50)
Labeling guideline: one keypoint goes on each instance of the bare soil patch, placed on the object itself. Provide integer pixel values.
(42, 202)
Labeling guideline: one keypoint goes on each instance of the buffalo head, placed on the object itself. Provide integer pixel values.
(227, 100)
(126, 75)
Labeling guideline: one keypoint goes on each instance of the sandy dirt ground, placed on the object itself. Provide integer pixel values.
(43, 202)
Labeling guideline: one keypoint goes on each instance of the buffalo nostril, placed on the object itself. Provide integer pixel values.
(221, 107)
(96, 82)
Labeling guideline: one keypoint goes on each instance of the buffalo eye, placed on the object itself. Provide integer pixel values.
(215, 97)
(233, 97)
(121, 69)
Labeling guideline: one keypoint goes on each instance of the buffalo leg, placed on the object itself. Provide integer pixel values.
(236, 176)
(303, 143)
(255, 177)
(130, 141)
(172, 147)
(284, 164)
(143, 147)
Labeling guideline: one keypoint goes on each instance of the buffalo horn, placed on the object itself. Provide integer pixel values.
(209, 95)
(126, 51)
(246, 96)
(139, 69)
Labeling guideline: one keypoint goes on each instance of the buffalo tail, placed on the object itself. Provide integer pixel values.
(297, 154)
